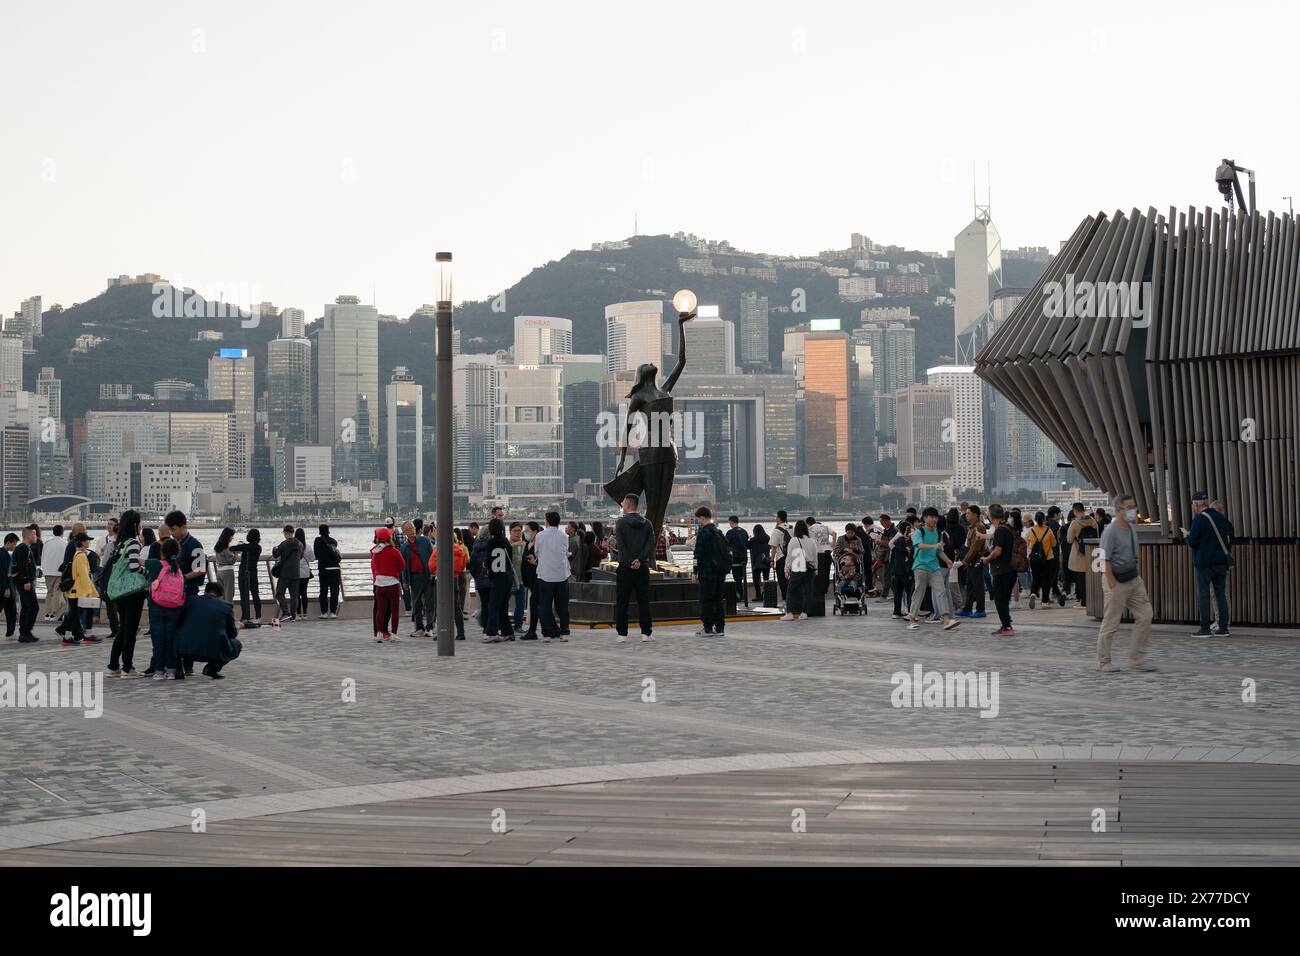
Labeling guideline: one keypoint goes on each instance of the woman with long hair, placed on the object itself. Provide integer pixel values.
(304, 572)
(130, 607)
(501, 575)
(226, 561)
(250, 559)
(760, 559)
(800, 570)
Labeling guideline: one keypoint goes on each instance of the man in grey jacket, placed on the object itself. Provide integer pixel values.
(635, 540)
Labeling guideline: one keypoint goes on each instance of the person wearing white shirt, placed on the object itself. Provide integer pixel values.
(51, 562)
(552, 550)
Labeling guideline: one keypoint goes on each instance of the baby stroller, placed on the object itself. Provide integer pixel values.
(849, 585)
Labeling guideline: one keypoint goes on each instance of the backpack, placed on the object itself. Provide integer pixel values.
(1019, 551)
(169, 588)
(720, 554)
(1037, 553)
(122, 582)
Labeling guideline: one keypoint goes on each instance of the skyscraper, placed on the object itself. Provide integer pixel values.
(230, 379)
(864, 418)
(288, 389)
(474, 400)
(633, 334)
(977, 264)
(711, 344)
(51, 389)
(529, 426)
(539, 335)
(405, 414)
(755, 355)
(967, 431)
(11, 363)
(924, 415)
(293, 324)
(829, 374)
(580, 377)
(348, 382)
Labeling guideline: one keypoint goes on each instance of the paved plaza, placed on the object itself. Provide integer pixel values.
(317, 727)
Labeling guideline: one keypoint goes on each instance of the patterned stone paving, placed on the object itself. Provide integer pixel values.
(279, 724)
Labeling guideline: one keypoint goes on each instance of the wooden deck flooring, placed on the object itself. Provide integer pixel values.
(969, 812)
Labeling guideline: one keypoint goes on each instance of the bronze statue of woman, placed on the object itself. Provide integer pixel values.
(656, 465)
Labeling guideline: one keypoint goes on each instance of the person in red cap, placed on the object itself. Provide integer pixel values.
(386, 567)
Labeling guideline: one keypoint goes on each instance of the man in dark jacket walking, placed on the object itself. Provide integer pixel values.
(738, 542)
(1210, 538)
(23, 569)
(634, 540)
(712, 559)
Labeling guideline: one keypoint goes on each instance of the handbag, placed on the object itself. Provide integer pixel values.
(1230, 562)
(90, 603)
(122, 582)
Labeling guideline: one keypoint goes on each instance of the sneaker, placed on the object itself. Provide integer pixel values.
(1078, 606)
(208, 672)
(391, 639)
(962, 614)
(934, 620)
(563, 637)
(1015, 605)
(951, 624)
(803, 617)
(978, 614)
(1005, 632)
(1203, 633)
(621, 639)
(790, 617)
(545, 639)
(1060, 599)
(913, 626)
(1144, 667)
(645, 638)
(528, 636)
(704, 632)
(27, 638)
(1108, 668)
(112, 670)
(160, 675)
(379, 638)
(91, 639)
(71, 642)
(128, 672)
(1033, 601)
(148, 673)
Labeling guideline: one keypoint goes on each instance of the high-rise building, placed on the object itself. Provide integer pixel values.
(474, 400)
(529, 427)
(115, 391)
(309, 467)
(405, 415)
(49, 387)
(26, 322)
(11, 363)
(230, 379)
(792, 350)
(633, 335)
(864, 419)
(711, 344)
(174, 390)
(539, 335)
(348, 381)
(139, 428)
(288, 389)
(153, 484)
(830, 371)
(977, 264)
(967, 431)
(293, 324)
(755, 354)
(924, 416)
(580, 377)
(893, 353)
(741, 431)
(15, 467)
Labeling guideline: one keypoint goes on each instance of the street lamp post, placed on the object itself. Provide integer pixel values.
(446, 540)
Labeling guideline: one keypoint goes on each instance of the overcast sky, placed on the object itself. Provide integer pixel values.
(302, 150)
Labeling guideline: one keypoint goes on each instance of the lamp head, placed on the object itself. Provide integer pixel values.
(686, 303)
(1224, 177)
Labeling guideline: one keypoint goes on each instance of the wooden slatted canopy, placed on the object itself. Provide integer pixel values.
(1193, 382)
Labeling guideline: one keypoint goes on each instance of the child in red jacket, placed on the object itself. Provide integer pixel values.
(386, 567)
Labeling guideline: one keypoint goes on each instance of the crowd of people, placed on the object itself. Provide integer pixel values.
(942, 568)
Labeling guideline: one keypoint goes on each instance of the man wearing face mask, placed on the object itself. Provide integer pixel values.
(1124, 588)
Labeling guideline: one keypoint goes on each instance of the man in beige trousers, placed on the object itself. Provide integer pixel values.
(1124, 588)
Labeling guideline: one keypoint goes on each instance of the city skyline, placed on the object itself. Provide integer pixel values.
(357, 183)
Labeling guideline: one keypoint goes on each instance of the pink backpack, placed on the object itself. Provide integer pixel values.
(169, 588)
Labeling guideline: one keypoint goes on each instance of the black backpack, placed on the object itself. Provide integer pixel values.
(1037, 554)
(719, 553)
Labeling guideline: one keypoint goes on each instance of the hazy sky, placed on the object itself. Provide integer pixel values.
(302, 150)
